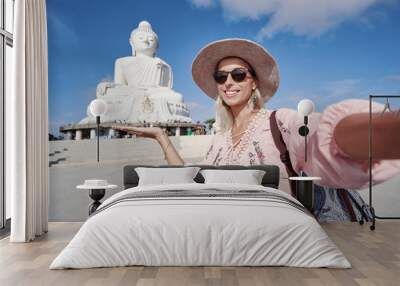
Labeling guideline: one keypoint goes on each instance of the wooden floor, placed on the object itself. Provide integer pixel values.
(375, 256)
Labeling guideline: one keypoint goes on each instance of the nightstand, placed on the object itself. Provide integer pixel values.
(305, 190)
(97, 190)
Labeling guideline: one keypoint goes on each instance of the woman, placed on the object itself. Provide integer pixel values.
(241, 76)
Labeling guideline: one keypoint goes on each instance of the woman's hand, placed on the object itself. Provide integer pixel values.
(171, 155)
(148, 132)
(351, 135)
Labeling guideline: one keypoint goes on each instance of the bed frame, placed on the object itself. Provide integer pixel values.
(270, 179)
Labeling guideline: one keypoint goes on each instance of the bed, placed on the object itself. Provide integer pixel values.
(201, 224)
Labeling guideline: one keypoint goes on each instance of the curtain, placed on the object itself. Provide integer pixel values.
(27, 124)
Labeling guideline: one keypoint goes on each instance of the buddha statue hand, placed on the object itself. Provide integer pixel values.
(103, 86)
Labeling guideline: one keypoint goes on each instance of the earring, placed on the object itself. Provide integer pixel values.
(254, 99)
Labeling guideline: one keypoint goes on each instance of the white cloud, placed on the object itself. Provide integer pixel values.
(331, 92)
(301, 17)
(322, 94)
(108, 78)
(62, 33)
(54, 126)
(195, 105)
(203, 3)
(288, 99)
(334, 91)
(393, 77)
(345, 88)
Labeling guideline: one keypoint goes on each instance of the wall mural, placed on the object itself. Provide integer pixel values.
(200, 88)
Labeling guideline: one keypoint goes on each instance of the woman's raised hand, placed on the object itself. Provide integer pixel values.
(171, 155)
(148, 132)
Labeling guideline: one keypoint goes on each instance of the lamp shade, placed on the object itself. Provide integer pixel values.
(305, 107)
(98, 107)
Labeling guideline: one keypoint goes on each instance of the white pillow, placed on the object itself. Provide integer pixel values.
(166, 176)
(249, 177)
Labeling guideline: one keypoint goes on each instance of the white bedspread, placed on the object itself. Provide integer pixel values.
(200, 231)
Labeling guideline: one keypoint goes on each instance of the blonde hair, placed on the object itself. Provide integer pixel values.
(224, 117)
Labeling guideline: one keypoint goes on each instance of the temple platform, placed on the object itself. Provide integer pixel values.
(88, 131)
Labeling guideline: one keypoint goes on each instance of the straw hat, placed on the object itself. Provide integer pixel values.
(264, 65)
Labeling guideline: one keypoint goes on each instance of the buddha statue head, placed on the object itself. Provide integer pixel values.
(144, 40)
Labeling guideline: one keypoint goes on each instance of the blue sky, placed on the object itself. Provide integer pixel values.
(326, 50)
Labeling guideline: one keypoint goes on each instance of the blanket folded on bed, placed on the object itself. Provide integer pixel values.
(206, 194)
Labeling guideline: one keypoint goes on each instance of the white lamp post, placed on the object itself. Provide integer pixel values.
(305, 108)
(98, 107)
(304, 184)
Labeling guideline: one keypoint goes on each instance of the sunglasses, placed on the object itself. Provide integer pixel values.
(237, 74)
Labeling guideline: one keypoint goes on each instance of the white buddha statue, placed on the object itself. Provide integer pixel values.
(142, 87)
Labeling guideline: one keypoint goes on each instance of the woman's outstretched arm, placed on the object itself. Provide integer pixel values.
(170, 153)
(343, 164)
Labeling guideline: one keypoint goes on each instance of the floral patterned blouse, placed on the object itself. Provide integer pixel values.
(324, 158)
